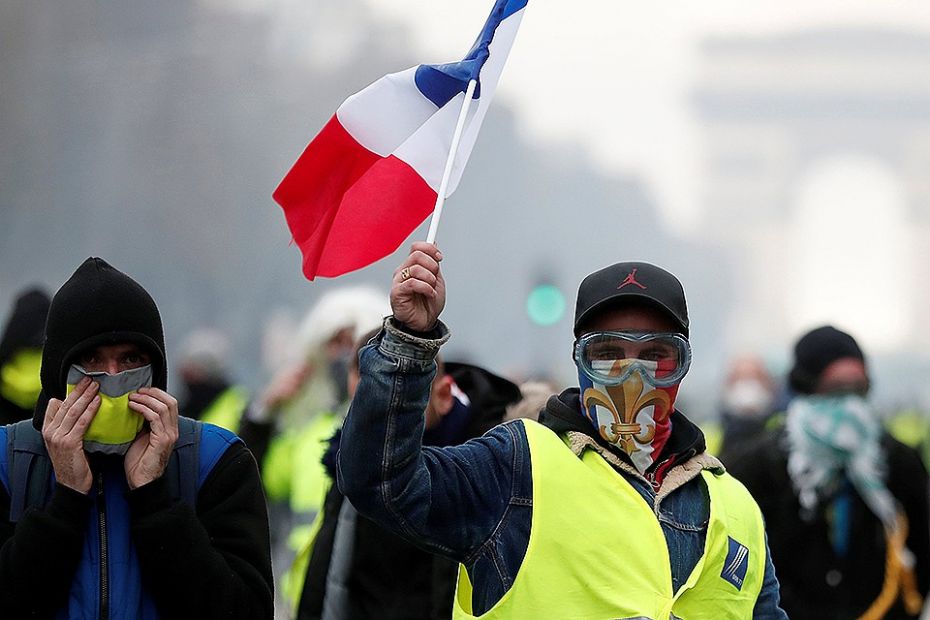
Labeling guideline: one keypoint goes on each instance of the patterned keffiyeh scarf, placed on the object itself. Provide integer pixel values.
(829, 436)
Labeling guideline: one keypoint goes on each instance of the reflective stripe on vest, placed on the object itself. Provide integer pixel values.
(596, 549)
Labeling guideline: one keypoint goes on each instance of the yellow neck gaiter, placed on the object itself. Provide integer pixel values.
(20, 382)
(115, 426)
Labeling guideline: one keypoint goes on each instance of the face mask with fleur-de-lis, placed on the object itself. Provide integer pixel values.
(632, 415)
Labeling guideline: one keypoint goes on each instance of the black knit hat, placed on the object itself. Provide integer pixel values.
(816, 350)
(632, 281)
(98, 305)
(26, 326)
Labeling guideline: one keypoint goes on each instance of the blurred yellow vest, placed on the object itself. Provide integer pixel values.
(227, 409)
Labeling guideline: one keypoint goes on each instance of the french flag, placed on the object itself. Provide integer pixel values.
(373, 173)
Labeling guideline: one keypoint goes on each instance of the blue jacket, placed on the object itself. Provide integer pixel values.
(473, 503)
(144, 554)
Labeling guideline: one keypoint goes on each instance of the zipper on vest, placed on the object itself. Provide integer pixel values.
(102, 532)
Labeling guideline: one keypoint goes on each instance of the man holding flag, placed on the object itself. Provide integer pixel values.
(608, 507)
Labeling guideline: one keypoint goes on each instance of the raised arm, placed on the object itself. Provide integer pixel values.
(448, 500)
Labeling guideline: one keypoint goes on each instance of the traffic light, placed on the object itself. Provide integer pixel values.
(545, 305)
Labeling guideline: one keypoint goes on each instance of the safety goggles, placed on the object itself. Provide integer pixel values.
(610, 358)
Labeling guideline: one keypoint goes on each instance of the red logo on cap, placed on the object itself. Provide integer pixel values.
(631, 279)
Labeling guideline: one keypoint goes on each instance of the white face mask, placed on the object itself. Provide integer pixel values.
(748, 398)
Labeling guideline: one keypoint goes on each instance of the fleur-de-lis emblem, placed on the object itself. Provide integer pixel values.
(626, 400)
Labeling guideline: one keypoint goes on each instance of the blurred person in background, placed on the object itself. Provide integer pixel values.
(534, 395)
(315, 384)
(911, 427)
(607, 507)
(21, 355)
(845, 503)
(747, 402)
(112, 504)
(289, 424)
(356, 569)
(209, 394)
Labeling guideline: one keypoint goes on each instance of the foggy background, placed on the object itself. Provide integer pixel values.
(776, 160)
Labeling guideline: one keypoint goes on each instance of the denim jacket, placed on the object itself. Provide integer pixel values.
(473, 503)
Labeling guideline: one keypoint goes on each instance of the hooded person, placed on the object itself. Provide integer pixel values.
(113, 505)
(607, 507)
(830, 481)
(21, 356)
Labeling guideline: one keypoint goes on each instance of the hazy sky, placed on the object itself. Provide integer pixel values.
(615, 79)
(616, 76)
(610, 78)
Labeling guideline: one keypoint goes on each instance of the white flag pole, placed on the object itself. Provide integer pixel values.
(441, 195)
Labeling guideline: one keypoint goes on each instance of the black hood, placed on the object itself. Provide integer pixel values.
(563, 414)
(25, 328)
(97, 305)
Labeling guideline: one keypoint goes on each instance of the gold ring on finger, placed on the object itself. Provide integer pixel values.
(405, 273)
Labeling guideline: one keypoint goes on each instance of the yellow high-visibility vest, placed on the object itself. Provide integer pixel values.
(226, 409)
(596, 550)
(292, 470)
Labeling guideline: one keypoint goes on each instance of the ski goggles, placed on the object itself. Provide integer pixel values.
(610, 358)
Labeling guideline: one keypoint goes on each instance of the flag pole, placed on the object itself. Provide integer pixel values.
(441, 195)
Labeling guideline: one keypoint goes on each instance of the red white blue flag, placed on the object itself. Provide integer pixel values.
(372, 174)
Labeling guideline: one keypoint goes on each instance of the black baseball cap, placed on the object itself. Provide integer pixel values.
(628, 282)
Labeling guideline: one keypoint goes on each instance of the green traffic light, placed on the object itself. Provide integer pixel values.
(545, 305)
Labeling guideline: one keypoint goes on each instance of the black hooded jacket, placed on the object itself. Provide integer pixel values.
(211, 560)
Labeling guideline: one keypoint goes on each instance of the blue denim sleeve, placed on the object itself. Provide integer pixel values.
(767, 605)
(448, 500)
